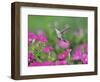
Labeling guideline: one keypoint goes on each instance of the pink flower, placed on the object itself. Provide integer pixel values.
(84, 47)
(41, 37)
(81, 53)
(77, 54)
(63, 44)
(47, 49)
(31, 36)
(62, 62)
(46, 63)
(30, 56)
(64, 54)
(35, 64)
(84, 58)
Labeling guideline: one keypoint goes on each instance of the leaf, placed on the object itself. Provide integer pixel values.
(44, 57)
(77, 62)
(38, 59)
(33, 48)
(52, 57)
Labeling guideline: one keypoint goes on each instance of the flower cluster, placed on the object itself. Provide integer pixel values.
(81, 54)
(41, 53)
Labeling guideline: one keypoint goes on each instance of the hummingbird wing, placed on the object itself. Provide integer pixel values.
(59, 35)
(64, 30)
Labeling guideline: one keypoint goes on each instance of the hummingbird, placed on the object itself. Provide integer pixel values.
(60, 40)
(60, 33)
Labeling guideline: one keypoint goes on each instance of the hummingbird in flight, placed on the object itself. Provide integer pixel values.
(60, 33)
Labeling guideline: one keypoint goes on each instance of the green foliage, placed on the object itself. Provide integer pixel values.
(46, 23)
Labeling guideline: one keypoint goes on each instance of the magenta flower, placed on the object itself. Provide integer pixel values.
(41, 37)
(77, 54)
(62, 62)
(63, 44)
(46, 63)
(84, 47)
(47, 49)
(81, 53)
(30, 56)
(35, 64)
(64, 54)
(84, 58)
(67, 51)
(31, 36)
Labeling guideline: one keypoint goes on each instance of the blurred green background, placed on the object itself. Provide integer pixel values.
(77, 33)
